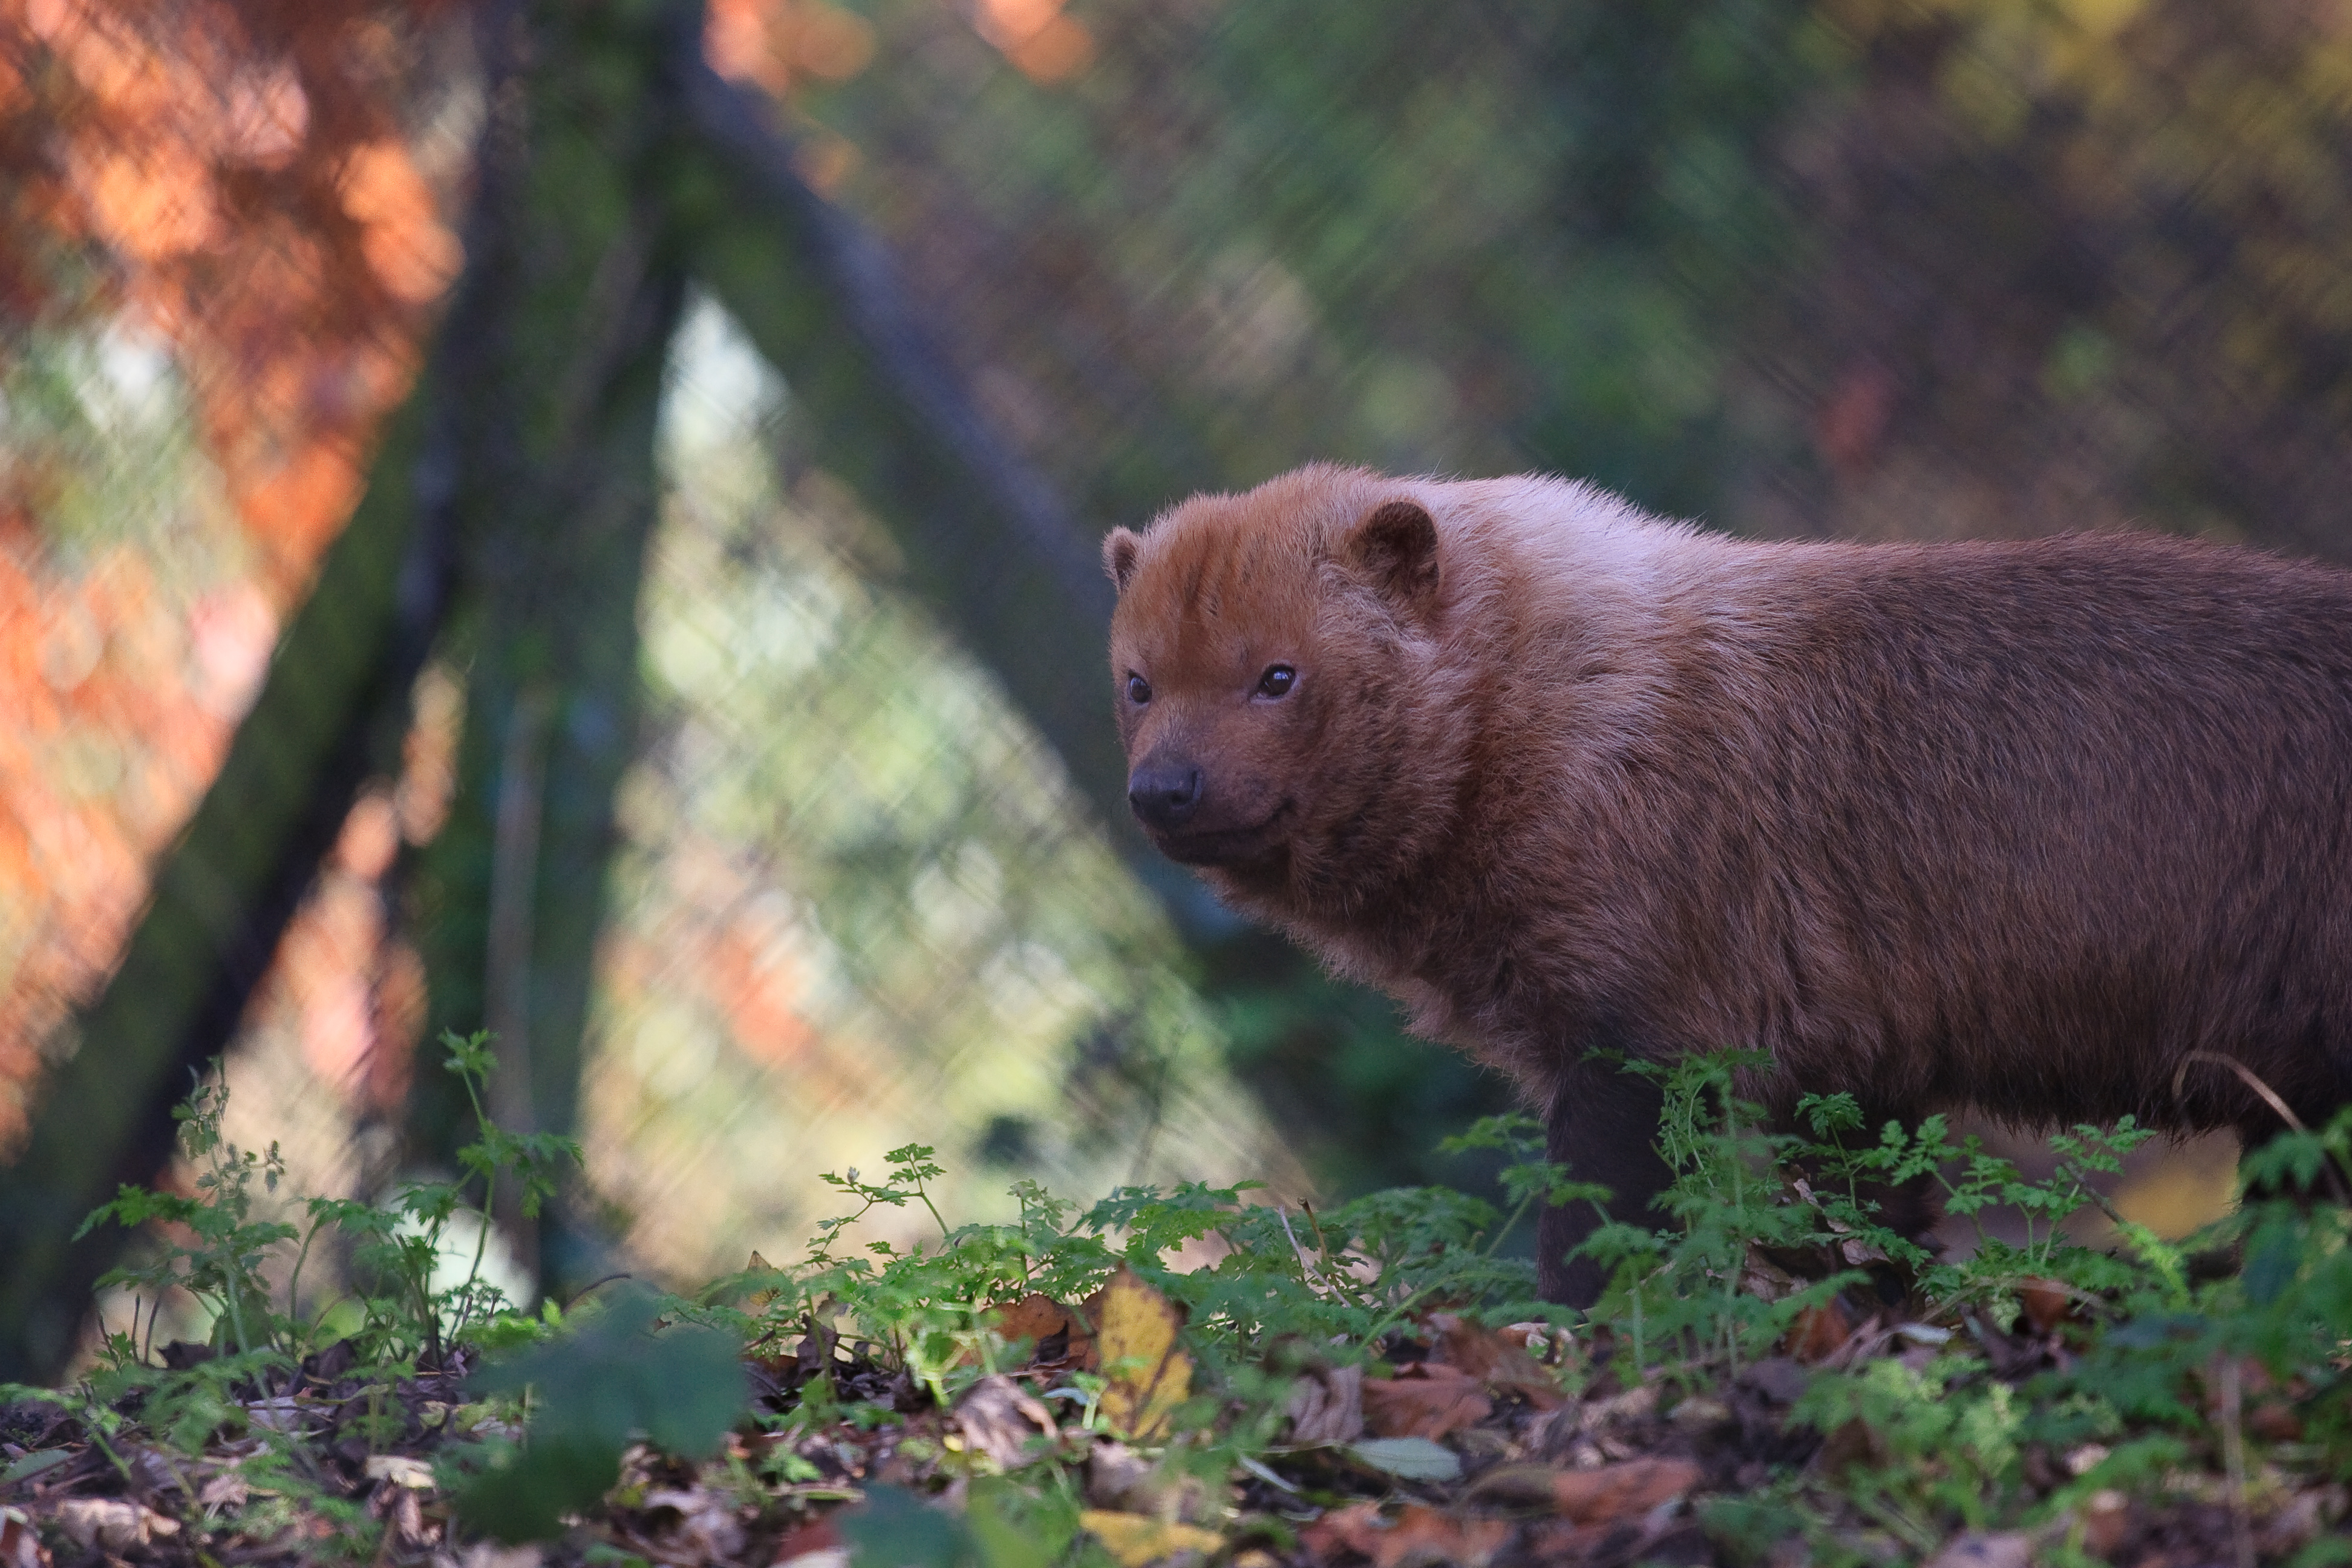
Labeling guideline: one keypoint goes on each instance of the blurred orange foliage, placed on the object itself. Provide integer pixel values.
(239, 179)
(778, 43)
(780, 46)
(243, 171)
(1044, 42)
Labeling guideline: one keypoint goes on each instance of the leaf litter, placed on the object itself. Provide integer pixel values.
(1372, 1386)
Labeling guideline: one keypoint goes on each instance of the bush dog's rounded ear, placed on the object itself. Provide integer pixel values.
(1119, 546)
(1396, 546)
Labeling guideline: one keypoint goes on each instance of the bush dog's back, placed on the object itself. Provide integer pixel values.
(2017, 827)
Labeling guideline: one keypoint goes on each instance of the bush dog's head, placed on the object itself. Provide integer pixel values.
(1274, 663)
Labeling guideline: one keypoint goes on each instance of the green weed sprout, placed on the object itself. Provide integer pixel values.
(394, 1247)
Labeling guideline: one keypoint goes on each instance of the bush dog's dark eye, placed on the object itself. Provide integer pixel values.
(1276, 682)
(1139, 691)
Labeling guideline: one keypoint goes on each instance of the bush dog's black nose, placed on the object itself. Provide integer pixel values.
(1164, 795)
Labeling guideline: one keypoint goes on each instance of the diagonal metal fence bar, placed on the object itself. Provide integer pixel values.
(984, 536)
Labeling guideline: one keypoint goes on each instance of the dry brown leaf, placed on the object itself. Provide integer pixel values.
(490, 1554)
(824, 1557)
(1518, 1486)
(814, 1355)
(1551, 1541)
(1700, 1414)
(228, 1490)
(2002, 1549)
(20, 1543)
(817, 1544)
(1765, 1280)
(1120, 1480)
(2274, 1421)
(1820, 1332)
(1425, 1535)
(2047, 1303)
(112, 1523)
(1356, 1528)
(2266, 1409)
(1638, 1402)
(1545, 1343)
(282, 1413)
(1849, 1249)
(1419, 1536)
(1138, 1538)
(1004, 1421)
(707, 1528)
(1498, 1362)
(1114, 1472)
(1429, 1399)
(1326, 1406)
(1777, 1378)
(406, 1521)
(1056, 1334)
(2106, 1522)
(151, 1473)
(1856, 1442)
(1617, 1491)
(1147, 1372)
(2297, 1521)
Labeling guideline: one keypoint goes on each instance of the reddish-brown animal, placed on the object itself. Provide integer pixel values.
(2013, 827)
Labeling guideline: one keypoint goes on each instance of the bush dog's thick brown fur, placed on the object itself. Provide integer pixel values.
(2014, 826)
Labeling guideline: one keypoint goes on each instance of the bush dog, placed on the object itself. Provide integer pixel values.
(2035, 828)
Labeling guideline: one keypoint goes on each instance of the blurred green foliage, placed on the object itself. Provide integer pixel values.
(1489, 237)
(610, 1380)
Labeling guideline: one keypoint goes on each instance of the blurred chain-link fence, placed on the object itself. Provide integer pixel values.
(862, 905)
(858, 903)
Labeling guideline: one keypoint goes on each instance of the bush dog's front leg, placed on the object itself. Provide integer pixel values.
(1603, 1127)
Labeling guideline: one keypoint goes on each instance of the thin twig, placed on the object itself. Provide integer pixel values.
(582, 1294)
(2269, 1095)
(2099, 1201)
(2234, 1458)
(1304, 1267)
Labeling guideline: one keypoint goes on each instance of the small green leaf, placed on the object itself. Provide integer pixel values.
(1408, 1459)
(526, 1497)
(33, 1465)
(895, 1530)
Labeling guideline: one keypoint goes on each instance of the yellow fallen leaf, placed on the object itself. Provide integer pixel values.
(1054, 1331)
(1147, 1373)
(755, 1300)
(1137, 1539)
(401, 1471)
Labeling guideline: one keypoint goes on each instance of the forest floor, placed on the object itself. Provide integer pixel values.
(1192, 1378)
(1459, 1445)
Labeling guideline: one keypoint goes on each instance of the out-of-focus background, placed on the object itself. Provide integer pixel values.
(579, 519)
